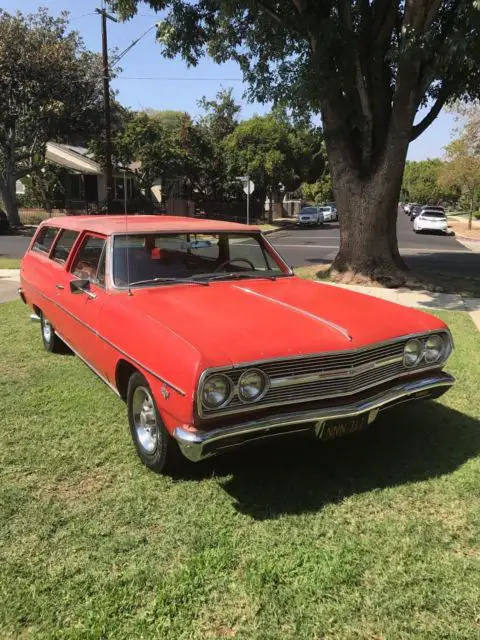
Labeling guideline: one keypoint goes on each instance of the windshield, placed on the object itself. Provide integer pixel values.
(142, 259)
(309, 210)
(433, 215)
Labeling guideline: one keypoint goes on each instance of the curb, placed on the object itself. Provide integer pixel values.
(467, 239)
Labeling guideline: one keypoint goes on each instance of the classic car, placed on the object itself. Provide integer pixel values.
(213, 342)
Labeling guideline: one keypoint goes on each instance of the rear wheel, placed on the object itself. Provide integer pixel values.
(155, 447)
(51, 341)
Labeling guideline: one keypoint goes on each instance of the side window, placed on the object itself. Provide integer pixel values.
(88, 259)
(44, 239)
(64, 245)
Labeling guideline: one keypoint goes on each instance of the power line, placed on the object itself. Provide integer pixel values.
(181, 79)
(84, 15)
(124, 53)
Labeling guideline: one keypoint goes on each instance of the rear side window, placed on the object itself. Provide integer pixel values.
(88, 259)
(64, 245)
(44, 239)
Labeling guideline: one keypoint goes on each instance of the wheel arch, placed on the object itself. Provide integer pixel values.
(123, 372)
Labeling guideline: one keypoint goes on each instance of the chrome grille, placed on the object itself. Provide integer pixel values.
(323, 376)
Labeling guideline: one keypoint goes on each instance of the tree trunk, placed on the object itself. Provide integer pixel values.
(9, 197)
(368, 212)
(470, 217)
(270, 206)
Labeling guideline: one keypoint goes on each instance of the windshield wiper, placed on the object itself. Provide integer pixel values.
(237, 276)
(169, 280)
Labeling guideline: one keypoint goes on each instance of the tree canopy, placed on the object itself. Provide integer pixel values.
(421, 183)
(50, 88)
(277, 155)
(462, 167)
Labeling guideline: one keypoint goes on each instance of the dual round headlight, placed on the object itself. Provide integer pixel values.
(432, 350)
(218, 388)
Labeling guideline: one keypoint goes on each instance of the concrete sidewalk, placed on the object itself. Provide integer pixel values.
(9, 281)
(421, 299)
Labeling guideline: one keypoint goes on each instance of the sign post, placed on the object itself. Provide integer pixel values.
(248, 188)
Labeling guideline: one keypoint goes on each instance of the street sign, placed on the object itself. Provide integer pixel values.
(249, 186)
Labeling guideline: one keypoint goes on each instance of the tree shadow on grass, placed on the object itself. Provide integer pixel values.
(406, 444)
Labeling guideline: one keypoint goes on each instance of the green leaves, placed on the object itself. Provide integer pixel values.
(50, 88)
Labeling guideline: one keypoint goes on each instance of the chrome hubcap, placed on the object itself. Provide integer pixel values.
(145, 419)
(47, 330)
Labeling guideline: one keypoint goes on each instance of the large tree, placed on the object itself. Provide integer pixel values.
(366, 66)
(276, 154)
(421, 183)
(153, 149)
(50, 88)
(462, 166)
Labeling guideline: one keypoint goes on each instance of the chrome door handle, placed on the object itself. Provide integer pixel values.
(60, 286)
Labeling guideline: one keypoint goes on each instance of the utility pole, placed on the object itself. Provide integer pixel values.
(107, 108)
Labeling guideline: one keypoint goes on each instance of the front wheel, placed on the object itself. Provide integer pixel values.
(51, 341)
(156, 448)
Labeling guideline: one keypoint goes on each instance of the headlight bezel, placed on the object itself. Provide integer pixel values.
(423, 361)
(266, 386)
(441, 352)
(228, 397)
(419, 359)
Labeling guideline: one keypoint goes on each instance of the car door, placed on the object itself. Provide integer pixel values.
(83, 308)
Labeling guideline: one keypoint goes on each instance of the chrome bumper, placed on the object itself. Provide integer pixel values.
(197, 445)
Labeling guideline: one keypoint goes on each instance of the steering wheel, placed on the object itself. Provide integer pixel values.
(225, 262)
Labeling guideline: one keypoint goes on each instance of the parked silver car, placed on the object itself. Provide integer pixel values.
(310, 216)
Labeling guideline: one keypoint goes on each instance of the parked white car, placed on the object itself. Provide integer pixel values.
(310, 216)
(329, 213)
(430, 220)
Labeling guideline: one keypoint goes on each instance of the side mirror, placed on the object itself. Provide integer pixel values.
(81, 286)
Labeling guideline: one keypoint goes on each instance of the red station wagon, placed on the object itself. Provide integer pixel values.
(211, 339)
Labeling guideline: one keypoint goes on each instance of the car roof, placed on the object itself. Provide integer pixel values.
(109, 225)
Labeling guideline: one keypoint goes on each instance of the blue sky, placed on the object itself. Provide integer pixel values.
(171, 84)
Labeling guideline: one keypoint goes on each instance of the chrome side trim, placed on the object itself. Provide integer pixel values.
(193, 442)
(90, 366)
(111, 344)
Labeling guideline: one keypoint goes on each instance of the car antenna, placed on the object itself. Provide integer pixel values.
(126, 229)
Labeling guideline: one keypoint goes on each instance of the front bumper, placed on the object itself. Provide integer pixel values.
(197, 445)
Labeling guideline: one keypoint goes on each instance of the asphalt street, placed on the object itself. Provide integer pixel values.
(309, 246)
(430, 252)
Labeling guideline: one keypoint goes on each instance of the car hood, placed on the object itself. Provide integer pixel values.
(231, 322)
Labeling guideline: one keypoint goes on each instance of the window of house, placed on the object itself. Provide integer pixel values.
(120, 188)
(44, 239)
(75, 189)
(64, 245)
(88, 262)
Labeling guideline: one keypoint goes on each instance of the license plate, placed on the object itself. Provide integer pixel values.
(338, 428)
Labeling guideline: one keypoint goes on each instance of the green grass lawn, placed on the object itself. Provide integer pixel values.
(374, 536)
(9, 263)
